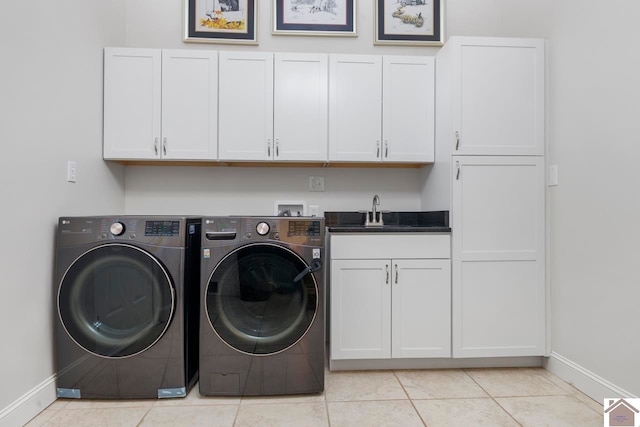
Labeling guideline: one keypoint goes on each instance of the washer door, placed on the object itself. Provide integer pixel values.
(116, 300)
(253, 302)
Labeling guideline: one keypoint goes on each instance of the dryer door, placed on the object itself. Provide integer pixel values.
(254, 302)
(116, 300)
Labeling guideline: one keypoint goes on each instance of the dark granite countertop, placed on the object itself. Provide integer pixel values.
(394, 222)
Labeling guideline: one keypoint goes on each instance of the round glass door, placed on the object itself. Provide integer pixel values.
(116, 300)
(255, 304)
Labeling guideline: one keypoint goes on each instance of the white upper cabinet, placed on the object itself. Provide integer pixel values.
(381, 109)
(355, 108)
(300, 107)
(160, 104)
(189, 105)
(132, 103)
(273, 107)
(494, 93)
(245, 106)
(408, 108)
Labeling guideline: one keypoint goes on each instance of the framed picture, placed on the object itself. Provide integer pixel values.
(314, 17)
(409, 22)
(221, 21)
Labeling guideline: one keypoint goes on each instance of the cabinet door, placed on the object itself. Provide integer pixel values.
(189, 104)
(355, 108)
(245, 108)
(498, 256)
(300, 107)
(408, 108)
(360, 309)
(421, 308)
(498, 96)
(132, 103)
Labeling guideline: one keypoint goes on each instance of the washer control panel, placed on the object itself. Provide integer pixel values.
(299, 230)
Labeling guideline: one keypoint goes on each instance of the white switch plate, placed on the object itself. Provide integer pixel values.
(314, 210)
(553, 175)
(71, 171)
(316, 183)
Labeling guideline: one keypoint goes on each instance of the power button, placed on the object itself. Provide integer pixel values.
(262, 228)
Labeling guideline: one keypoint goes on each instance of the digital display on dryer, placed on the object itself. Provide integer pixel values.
(304, 228)
(162, 228)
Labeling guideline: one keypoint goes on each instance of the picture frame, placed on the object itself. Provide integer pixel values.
(409, 22)
(221, 21)
(314, 17)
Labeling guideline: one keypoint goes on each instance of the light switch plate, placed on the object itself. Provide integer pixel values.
(71, 171)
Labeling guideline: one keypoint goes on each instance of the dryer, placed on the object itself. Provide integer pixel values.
(126, 306)
(262, 306)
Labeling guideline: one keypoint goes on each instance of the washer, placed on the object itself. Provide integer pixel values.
(262, 312)
(127, 306)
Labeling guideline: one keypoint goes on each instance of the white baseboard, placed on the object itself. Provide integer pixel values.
(30, 404)
(428, 363)
(584, 380)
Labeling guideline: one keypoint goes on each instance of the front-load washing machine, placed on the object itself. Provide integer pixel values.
(262, 306)
(127, 306)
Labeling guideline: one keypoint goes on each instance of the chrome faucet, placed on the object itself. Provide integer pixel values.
(374, 221)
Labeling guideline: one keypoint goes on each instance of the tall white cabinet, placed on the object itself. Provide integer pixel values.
(160, 104)
(490, 125)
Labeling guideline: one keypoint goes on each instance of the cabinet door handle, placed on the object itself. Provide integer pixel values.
(164, 146)
(458, 171)
(155, 145)
(457, 140)
(268, 148)
(396, 268)
(387, 267)
(277, 147)
(378, 149)
(386, 149)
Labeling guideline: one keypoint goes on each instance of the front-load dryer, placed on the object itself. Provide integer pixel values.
(262, 306)
(127, 306)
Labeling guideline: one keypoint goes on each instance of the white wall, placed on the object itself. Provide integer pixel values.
(253, 191)
(51, 109)
(594, 102)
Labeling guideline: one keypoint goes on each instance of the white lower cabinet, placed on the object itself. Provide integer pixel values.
(394, 307)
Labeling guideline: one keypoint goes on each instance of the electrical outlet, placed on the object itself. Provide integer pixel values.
(314, 210)
(71, 171)
(316, 183)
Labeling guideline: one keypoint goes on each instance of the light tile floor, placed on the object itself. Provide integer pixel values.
(432, 398)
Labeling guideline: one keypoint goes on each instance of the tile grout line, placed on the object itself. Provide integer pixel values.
(145, 415)
(413, 405)
(326, 405)
(492, 398)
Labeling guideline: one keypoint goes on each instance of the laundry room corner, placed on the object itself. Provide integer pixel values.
(51, 104)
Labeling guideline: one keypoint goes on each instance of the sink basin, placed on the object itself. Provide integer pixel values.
(394, 221)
